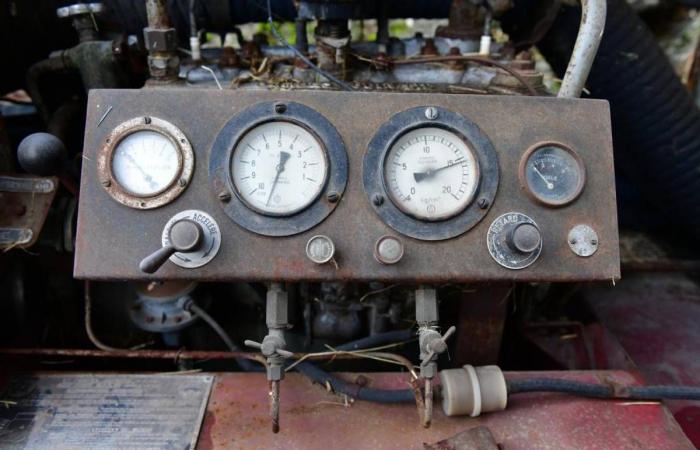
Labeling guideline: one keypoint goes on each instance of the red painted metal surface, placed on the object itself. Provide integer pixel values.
(311, 418)
(655, 318)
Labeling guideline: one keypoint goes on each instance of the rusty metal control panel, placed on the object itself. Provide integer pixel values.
(318, 185)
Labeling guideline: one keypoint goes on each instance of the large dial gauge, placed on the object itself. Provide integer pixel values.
(145, 162)
(431, 173)
(279, 168)
(552, 173)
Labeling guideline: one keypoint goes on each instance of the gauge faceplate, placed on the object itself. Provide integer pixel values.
(145, 163)
(279, 168)
(431, 173)
(553, 174)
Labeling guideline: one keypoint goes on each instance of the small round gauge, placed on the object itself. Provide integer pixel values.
(145, 163)
(431, 173)
(279, 168)
(552, 173)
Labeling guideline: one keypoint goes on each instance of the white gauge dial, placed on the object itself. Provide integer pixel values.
(145, 163)
(431, 173)
(279, 168)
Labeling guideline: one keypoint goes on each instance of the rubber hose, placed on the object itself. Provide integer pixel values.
(656, 124)
(603, 391)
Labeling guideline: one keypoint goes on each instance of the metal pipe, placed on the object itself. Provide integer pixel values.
(157, 14)
(593, 14)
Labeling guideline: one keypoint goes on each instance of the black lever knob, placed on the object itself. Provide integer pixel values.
(185, 236)
(524, 238)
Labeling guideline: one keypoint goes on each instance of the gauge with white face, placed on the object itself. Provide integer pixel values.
(145, 163)
(279, 168)
(431, 173)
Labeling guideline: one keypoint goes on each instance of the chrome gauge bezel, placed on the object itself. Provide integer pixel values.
(166, 195)
(522, 174)
(376, 188)
(267, 224)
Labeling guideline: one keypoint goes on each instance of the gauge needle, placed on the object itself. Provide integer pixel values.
(549, 184)
(146, 176)
(420, 176)
(284, 156)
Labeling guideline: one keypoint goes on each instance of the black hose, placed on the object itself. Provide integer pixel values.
(592, 390)
(245, 364)
(656, 124)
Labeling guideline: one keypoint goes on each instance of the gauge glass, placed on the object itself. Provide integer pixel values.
(431, 173)
(145, 163)
(279, 168)
(554, 175)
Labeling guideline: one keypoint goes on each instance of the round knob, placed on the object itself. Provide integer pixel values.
(41, 154)
(185, 236)
(524, 238)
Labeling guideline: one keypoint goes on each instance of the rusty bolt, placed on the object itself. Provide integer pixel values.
(225, 196)
(146, 120)
(333, 197)
(573, 241)
(594, 242)
(106, 183)
(431, 113)
(483, 203)
(280, 108)
(183, 182)
(378, 199)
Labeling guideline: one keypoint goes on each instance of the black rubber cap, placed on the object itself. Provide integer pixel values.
(41, 154)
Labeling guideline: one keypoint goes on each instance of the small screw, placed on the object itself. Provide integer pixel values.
(483, 203)
(106, 183)
(183, 182)
(573, 241)
(280, 108)
(225, 196)
(147, 120)
(333, 197)
(431, 113)
(378, 199)
(594, 242)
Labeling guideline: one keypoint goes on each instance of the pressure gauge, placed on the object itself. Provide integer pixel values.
(145, 162)
(552, 174)
(431, 173)
(279, 168)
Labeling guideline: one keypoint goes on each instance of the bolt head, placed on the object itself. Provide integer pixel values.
(146, 120)
(333, 197)
(106, 183)
(280, 108)
(483, 203)
(431, 113)
(224, 196)
(378, 199)
(182, 182)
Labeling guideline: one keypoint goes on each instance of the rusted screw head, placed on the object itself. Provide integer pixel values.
(483, 203)
(431, 113)
(183, 182)
(378, 199)
(333, 197)
(280, 108)
(225, 196)
(106, 183)
(146, 120)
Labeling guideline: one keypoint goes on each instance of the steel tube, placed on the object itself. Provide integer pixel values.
(593, 14)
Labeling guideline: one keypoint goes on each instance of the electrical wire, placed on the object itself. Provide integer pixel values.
(245, 364)
(593, 390)
(342, 84)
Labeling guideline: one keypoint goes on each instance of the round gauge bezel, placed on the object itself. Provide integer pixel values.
(294, 211)
(477, 142)
(522, 175)
(271, 224)
(164, 196)
(473, 193)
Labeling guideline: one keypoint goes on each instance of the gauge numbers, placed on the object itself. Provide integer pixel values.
(279, 168)
(553, 174)
(145, 163)
(431, 173)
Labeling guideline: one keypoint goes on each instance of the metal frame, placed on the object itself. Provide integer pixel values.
(523, 177)
(251, 218)
(165, 195)
(476, 140)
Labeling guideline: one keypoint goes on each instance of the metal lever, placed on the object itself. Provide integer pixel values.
(185, 236)
(268, 350)
(438, 345)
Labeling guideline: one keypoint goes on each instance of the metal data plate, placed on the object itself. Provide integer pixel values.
(57, 412)
(112, 239)
(24, 205)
